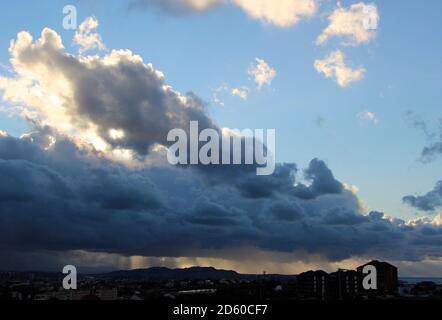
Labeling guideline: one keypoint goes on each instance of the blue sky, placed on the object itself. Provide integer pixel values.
(201, 52)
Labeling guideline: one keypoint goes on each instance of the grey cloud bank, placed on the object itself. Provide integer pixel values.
(430, 201)
(66, 198)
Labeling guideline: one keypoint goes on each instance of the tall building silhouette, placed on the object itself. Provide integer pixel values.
(343, 285)
(347, 284)
(313, 284)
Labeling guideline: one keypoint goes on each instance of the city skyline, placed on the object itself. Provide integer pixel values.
(374, 280)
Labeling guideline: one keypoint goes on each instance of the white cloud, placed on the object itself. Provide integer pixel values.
(113, 102)
(87, 37)
(116, 134)
(217, 100)
(225, 89)
(367, 116)
(334, 67)
(281, 13)
(242, 92)
(355, 24)
(262, 73)
(437, 221)
(180, 6)
(421, 221)
(200, 5)
(217, 94)
(352, 188)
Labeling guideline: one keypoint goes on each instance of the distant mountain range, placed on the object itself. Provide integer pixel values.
(194, 273)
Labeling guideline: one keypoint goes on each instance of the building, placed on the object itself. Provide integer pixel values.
(313, 284)
(347, 284)
(343, 285)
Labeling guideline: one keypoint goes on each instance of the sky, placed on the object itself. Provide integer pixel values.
(357, 108)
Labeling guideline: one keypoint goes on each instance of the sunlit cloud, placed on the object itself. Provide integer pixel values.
(242, 92)
(350, 24)
(335, 67)
(367, 116)
(87, 38)
(279, 13)
(262, 73)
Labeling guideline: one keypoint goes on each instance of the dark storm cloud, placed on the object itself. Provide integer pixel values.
(323, 181)
(341, 217)
(66, 198)
(430, 201)
(432, 150)
(285, 211)
(244, 178)
(416, 121)
(29, 174)
(207, 212)
(434, 147)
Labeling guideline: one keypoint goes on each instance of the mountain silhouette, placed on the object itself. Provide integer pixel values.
(193, 273)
